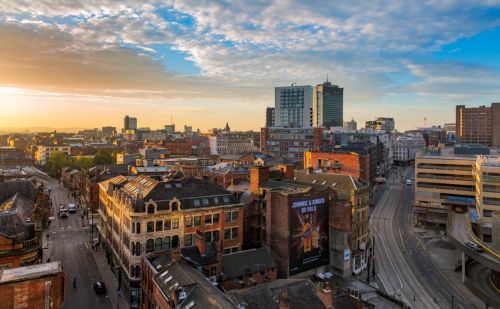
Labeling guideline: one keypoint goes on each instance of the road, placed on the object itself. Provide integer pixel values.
(394, 272)
(68, 242)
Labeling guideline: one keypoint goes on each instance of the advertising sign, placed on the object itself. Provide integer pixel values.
(308, 233)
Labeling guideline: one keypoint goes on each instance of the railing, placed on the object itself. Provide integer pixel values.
(30, 243)
(444, 187)
(444, 167)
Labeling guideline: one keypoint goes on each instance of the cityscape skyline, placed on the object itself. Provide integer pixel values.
(86, 62)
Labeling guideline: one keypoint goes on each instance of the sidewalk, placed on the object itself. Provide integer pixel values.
(108, 277)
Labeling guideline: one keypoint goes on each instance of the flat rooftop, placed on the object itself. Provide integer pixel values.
(29, 272)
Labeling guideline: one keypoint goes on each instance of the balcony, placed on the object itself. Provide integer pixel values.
(31, 243)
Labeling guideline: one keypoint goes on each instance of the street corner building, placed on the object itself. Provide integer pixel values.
(140, 215)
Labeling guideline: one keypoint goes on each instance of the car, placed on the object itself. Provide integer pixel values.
(408, 182)
(71, 208)
(63, 213)
(99, 287)
(474, 246)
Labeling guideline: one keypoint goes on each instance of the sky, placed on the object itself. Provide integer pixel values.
(79, 63)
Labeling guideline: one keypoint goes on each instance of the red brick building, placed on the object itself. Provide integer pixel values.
(478, 125)
(33, 286)
(340, 162)
(290, 142)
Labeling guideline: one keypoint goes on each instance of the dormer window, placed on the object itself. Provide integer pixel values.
(151, 209)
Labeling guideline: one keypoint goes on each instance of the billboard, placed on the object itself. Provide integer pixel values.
(308, 233)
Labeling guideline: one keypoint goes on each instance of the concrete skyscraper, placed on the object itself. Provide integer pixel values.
(270, 117)
(293, 106)
(129, 123)
(478, 125)
(328, 105)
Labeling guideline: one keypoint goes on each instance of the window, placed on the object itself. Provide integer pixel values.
(150, 245)
(175, 241)
(158, 243)
(159, 225)
(227, 250)
(234, 215)
(151, 227)
(138, 227)
(208, 219)
(227, 234)
(215, 235)
(175, 206)
(166, 243)
(188, 240)
(205, 201)
(208, 236)
(215, 218)
(196, 202)
(216, 200)
(235, 233)
(188, 221)
(168, 224)
(136, 248)
(175, 223)
(227, 216)
(151, 209)
(225, 199)
(197, 220)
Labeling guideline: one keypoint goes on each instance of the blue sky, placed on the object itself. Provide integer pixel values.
(208, 62)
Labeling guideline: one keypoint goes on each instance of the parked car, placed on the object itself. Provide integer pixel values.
(408, 182)
(99, 287)
(71, 208)
(63, 212)
(474, 246)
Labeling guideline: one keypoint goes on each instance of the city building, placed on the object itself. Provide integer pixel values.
(126, 158)
(443, 182)
(226, 174)
(129, 123)
(43, 152)
(486, 172)
(169, 282)
(170, 129)
(405, 147)
(290, 143)
(328, 105)
(270, 120)
(358, 160)
(293, 106)
(109, 131)
(351, 125)
(478, 125)
(232, 143)
(140, 215)
(12, 157)
(381, 124)
(35, 286)
(349, 220)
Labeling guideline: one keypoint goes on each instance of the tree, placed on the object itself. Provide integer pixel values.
(103, 157)
(56, 162)
(83, 163)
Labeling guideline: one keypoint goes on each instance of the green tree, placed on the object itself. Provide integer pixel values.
(103, 157)
(83, 163)
(56, 162)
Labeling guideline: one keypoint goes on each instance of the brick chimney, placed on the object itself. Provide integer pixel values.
(289, 172)
(258, 175)
(324, 293)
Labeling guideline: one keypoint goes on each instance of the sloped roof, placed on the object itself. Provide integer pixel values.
(335, 181)
(13, 215)
(246, 262)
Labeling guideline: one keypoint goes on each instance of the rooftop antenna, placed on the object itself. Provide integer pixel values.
(294, 83)
(327, 77)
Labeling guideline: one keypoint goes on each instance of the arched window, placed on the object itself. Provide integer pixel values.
(138, 248)
(158, 242)
(175, 206)
(150, 245)
(150, 228)
(175, 241)
(166, 243)
(138, 271)
(151, 209)
(138, 227)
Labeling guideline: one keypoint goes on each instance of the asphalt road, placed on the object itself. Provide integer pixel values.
(393, 269)
(421, 261)
(67, 242)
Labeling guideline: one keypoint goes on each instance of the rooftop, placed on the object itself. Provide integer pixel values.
(29, 272)
(335, 181)
(246, 262)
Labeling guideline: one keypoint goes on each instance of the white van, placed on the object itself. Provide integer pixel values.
(63, 213)
(408, 182)
(71, 207)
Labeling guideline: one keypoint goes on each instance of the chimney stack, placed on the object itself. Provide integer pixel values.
(324, 293)
(258, 175)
